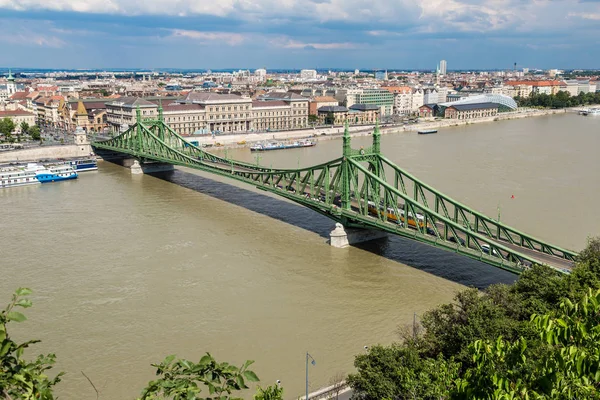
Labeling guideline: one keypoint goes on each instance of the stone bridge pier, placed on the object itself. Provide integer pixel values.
(342, 237)
(138, 167)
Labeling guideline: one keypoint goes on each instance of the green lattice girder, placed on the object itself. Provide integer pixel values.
(354, 191)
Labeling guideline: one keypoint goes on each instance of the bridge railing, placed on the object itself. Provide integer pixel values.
(329, 392)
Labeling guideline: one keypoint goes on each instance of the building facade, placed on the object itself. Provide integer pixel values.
(186, 119)
(121, 113)
(469, 111)
(270, 115)
(320, 101)
(298, 104)
(18, 117)
(224, 113)
(380, 97)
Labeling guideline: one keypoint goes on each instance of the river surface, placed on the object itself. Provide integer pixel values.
(129, 269)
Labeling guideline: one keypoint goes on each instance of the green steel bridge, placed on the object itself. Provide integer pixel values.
(362, 189)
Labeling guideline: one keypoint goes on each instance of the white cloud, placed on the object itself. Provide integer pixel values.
(429, 16)
(591, 16)
(232, 39)
(32, 39)
(288, 43)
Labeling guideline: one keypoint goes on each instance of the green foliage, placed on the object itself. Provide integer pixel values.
(7, 126)
(559, 100)
(536, 339)
(19, 378)
(313, 119)
(34, 132)
(24, 127)
(568, 366)
(269, 393)
(399, 371)
(183, 380)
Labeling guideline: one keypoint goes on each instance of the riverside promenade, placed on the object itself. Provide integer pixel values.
(325, 133)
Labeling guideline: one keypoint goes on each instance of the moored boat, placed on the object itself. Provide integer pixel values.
(427, 132)
(281, 146)
(34, 173)
(55, 173)
(84, 164)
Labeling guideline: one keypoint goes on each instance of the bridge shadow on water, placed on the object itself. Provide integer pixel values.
(436, 261)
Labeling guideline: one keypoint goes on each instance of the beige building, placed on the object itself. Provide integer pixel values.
(18, 117)
(320, 101)
(185, 119)
(271, 115)
(469, 111)
(224, 113)
(298, 105)
(121, 113)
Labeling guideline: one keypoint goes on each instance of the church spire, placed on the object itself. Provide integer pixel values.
(10, 77)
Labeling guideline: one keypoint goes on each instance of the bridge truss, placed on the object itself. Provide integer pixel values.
(361, 189)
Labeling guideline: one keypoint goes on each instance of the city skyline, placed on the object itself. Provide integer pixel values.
(469, 34)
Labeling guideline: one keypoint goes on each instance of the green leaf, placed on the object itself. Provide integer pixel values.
(247, 364)
(15, 316)
(205, 360)
(25, 303)
(5, 348)
(23, 292)
(251, 376)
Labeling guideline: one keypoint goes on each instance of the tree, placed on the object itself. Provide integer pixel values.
(529, 340)
(24, 127)
(400, 372)
(7, 126)
(34, 132)
(182, 379)
(21, 379)
(313, 119)
(566, 367)
(269, 393)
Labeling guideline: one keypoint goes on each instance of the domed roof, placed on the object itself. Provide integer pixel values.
(485, 98)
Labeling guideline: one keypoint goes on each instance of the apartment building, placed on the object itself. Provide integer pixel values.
(298, 105)
(320, 101)
(186, 119)
(271, 115)
(121, 113)
(224, 113)
(380, 97)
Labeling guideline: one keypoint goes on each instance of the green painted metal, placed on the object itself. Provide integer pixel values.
(354, 191)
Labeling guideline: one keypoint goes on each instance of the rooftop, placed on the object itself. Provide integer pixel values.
(364, 107)
(474, 106)
(14, 113)
(269, 103)
(328, 109)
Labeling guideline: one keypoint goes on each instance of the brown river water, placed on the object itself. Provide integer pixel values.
(128, 269)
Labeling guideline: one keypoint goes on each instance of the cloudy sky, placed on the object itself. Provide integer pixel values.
(394, 34)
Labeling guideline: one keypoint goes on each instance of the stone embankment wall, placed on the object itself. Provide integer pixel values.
(46, 152)
(232, 141)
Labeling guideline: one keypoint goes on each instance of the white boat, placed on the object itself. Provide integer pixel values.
(34, 173)
(593, 112)
(18, 176)
(84, 164)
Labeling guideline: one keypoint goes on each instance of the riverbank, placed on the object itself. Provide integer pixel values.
(245, 140)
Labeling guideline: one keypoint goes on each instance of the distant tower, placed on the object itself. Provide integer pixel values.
(81, 117)
(443, 66)
(515, 67)
(11, 87)
(385, 76)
